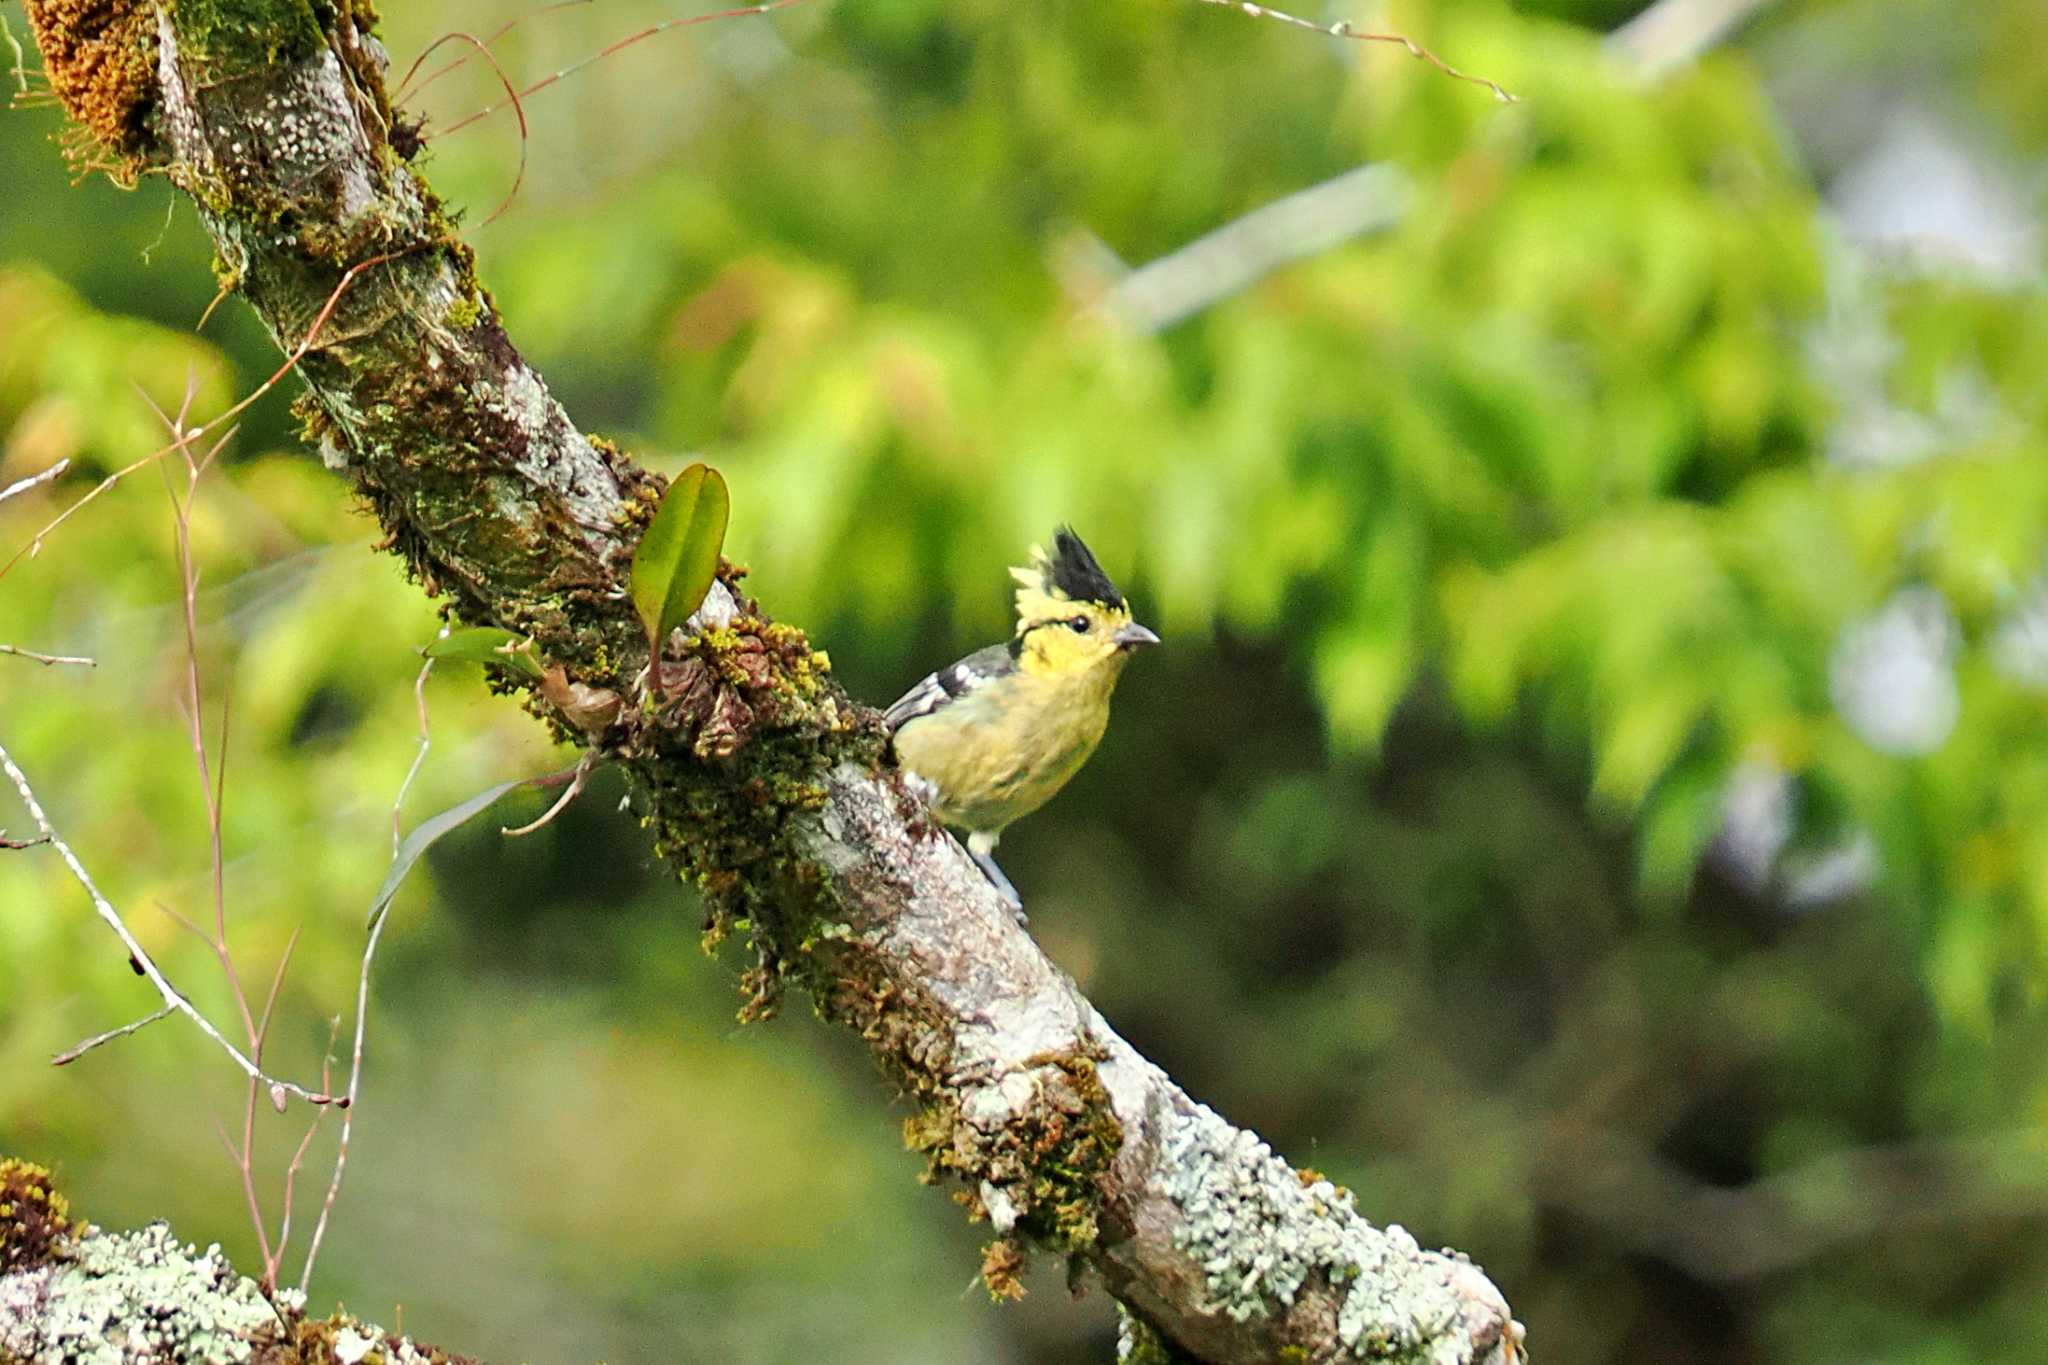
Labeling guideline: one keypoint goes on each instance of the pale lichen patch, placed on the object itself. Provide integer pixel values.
(136, 1296)
(1260, 1235)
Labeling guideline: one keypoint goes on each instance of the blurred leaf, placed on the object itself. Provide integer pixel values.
(427, 833)
(491, 645)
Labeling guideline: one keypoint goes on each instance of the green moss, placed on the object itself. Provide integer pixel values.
(463, 313)
(750, 688)
(222, 38)
(1138, 1342)
(35, 1220)
(1048, 1163)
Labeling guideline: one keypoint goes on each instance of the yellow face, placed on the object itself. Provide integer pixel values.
(1072, 623)
(1076, 639)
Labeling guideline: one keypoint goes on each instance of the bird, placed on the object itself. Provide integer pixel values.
(995, 735)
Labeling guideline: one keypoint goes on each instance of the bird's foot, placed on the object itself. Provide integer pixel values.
(987, 864)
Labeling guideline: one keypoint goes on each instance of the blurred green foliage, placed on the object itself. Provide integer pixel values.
(1493, 549)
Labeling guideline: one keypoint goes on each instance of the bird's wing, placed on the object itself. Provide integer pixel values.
(955, 680)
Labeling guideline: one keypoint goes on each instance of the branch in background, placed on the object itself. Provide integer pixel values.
(1360, 202)
(1671, 33)
(1723, 1235)
(1211, 268)
(762, 780)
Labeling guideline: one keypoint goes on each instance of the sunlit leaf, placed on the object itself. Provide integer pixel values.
(678, 557)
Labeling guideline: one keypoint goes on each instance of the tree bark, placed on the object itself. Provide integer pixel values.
(762, 781)
(80, 1295)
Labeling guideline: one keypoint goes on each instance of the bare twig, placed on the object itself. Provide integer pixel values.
(44, 476)
(482, 47)
(185, 923)
(291, 1172)
(406, 88)
(1213, 267)
(577, 778)
(291, 362)
(650, 31)
(71, 1055)
(19, 71)
(1671, 33)
(245, 1159)
(213, 789)
(419, 757)
(144, 963)
(1345, 29)
(210, 790)
(47, 659)
(347, 1102)
(355, 1070)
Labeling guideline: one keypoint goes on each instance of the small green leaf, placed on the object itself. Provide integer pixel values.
(678, 557)
(424, 836)
(487, 645)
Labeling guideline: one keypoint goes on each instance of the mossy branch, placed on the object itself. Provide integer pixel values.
(763, 782)
(70, 1291)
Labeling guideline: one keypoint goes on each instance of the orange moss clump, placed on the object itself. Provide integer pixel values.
(101, 56)
(34, 1219)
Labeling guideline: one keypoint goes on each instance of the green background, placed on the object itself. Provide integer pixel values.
(1511, 558)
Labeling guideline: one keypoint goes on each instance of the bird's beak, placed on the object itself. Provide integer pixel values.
(1133, 635)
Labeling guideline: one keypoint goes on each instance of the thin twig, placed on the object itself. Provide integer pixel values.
(291, 361)
(1344, 29)
(186, 923)
(419, 758)
(170, 994)
(213, 790)
(71, 1055)
(575, 789)
(406, 88)
(347, 1103)
(664, 26)
(23, 485)
(483, 49)
(188, 574)
(355, 1069)
(47, 659)
(291, 1172)
(18, 71)
(246, 1158)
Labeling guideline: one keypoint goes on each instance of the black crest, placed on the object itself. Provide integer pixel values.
(1073, 571)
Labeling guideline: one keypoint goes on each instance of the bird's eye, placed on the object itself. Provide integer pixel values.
(1079, 625)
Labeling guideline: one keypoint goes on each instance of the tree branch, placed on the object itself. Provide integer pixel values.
(73, 1292)
(762, 781)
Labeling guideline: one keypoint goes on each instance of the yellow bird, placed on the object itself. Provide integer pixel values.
(998, 733)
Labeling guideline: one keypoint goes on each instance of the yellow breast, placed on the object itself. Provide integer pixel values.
(1000, 753)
